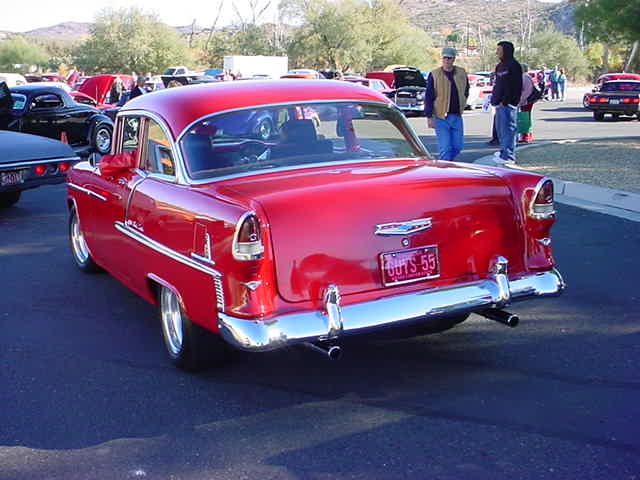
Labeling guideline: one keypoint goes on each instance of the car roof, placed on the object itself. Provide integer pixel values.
(181, 106)
(31, 89)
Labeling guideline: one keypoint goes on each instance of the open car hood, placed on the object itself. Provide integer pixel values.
(408, 77)
(97, 87)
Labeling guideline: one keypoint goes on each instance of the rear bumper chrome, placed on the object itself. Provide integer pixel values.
(334, 321)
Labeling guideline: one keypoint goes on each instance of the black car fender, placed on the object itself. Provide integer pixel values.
(95, 121)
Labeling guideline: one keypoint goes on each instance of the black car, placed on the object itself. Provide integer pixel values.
(49, 111)
(617, 97)
(30, 161)
(409, 87)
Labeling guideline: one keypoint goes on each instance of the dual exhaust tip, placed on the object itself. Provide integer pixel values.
(501, 316)
(334, 352)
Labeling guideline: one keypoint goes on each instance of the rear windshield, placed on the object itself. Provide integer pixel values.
(292, 135)
(621, 87)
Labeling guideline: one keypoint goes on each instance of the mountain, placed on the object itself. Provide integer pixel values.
(472, 19)
(487, 18)
(67, 31)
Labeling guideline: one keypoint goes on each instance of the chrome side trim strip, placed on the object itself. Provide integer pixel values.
(158, 247)
(202, 259)
(36, 162)
(217, 282)
(87, 191)
(313, 326)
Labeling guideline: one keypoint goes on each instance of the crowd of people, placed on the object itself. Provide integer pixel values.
(515, 91)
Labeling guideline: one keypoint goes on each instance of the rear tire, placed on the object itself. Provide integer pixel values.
(190, 347)
(79, 249)
(598, 116)
(8, 199)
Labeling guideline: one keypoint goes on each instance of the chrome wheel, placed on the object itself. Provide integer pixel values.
(103, 139)
(78, 244)
(172, 324)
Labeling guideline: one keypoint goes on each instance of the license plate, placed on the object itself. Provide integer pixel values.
(614, 102)
(405, 266)
(11, 178)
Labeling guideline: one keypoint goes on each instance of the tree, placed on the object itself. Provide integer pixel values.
(19, 55)
(550, 48)
(611, 21)
(354, 35)
(128, 40)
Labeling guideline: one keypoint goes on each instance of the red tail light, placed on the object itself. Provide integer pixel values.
(247, 241)
(64, 166)
(543, 206)
(40, 169)
(635, 100)
(603, 100)
(626, 100)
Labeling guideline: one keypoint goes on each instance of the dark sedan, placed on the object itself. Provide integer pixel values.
(409, 87)
(51, 112)
(617, 97)
(30, 161)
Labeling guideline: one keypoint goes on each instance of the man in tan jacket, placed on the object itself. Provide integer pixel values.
(445, 100)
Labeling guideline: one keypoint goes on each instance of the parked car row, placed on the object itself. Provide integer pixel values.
(51, 112)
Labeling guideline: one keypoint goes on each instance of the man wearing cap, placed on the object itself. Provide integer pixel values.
(445, 100)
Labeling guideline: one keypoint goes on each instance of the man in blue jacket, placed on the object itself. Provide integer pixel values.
(505, 97)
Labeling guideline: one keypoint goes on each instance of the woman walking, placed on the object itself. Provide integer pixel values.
(562, 85)
(525, 134)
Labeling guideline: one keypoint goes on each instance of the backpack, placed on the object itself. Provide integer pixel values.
(536, 94)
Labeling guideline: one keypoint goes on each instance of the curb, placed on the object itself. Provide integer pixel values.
(573, 193)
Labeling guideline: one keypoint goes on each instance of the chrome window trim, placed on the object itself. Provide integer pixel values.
(160, 248)
(36, 162)
(306, 165)
(181, 176)
(281, 104)
(536, 191)
(87, 191)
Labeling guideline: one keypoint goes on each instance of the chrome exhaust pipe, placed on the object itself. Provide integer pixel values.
(332, 352)
(501, 316)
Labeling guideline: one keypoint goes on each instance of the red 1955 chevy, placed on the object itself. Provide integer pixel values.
(263, 214)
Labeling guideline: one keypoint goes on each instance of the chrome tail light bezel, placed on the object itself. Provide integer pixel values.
(252, 250)
(542, 208)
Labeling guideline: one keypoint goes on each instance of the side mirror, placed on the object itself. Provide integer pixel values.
(94, 159)
(110, 165)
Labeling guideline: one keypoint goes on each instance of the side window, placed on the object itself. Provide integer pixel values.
(130, 133)
(158, 157)
(48, 100)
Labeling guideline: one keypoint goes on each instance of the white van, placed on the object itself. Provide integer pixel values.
(12, 79)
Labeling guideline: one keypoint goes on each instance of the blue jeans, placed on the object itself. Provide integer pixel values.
(450, 135)
(507, 127)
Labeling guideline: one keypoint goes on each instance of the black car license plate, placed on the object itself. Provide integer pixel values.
(11, 178)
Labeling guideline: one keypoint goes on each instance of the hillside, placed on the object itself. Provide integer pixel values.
(475, 19)
(480, 19)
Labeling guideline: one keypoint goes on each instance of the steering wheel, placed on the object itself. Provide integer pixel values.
(252, 151)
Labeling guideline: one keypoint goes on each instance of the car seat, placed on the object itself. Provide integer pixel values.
(300, 138)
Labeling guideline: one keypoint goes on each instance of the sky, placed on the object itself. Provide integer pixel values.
(45, 13)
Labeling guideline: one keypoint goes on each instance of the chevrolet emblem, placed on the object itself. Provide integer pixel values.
(403, 228)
